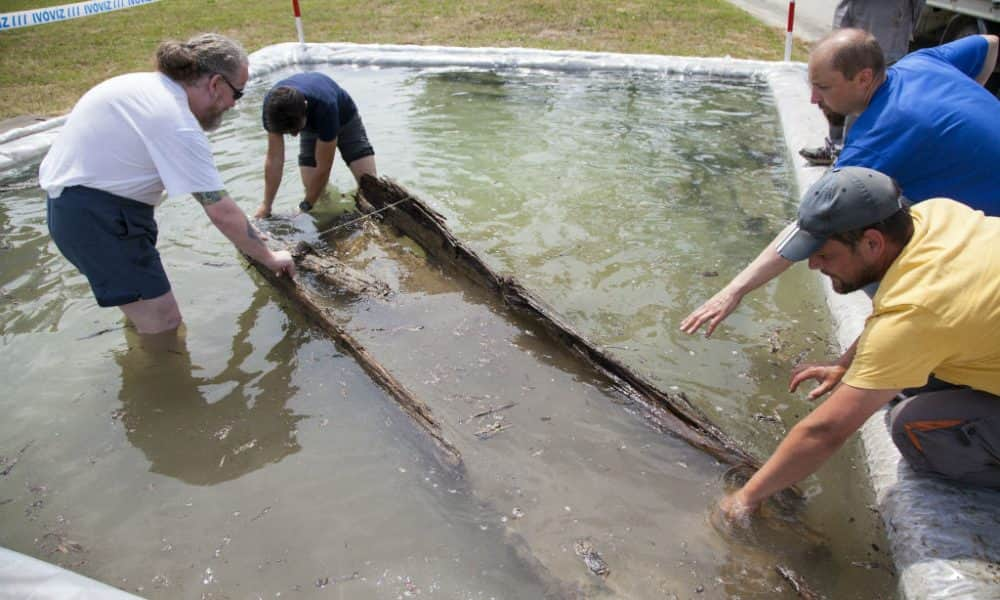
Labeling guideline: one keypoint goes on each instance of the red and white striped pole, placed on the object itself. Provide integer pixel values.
(298, 21)
(788, 31)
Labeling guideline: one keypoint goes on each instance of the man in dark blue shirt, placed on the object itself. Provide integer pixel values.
(313, 105)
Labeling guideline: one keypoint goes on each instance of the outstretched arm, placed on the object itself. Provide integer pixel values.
(806, 447)
(320, 176)
(991, 59)
(274, 162)
(233, 224)
(768, 265)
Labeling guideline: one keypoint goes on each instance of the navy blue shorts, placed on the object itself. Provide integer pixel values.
(352, 141)
(112, 241)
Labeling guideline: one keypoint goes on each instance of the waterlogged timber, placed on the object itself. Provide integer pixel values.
(668, 411)
(335, 273)
(331, 272)
(322, 275)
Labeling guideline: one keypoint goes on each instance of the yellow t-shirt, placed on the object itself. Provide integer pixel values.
(937, 309)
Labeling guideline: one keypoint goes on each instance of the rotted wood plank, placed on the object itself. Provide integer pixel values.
(669, 411)
(337, 274)
(420, 413)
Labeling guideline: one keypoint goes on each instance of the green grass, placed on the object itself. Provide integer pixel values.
(45, 68)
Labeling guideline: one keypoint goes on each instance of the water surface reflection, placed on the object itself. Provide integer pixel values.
(256, 459)
(205, 429)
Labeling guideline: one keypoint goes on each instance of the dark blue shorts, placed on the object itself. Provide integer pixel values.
(112, 241)
(352, 141)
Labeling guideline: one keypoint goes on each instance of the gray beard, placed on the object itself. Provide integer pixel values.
(212, 123)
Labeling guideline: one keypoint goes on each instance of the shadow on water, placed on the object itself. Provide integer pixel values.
(206, 430)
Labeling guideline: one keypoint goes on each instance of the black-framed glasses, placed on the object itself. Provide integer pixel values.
(237, 92)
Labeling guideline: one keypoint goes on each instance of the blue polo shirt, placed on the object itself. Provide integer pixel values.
(329, 107)
(933, 128)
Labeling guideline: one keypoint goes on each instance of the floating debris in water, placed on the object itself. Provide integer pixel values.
(769, 418)
(491, 430)
(243, 448)
(867, 564)
(774, 340)
(7, 464)
(225, 542)
(803, 590)
(58, 542)
(101, 332)
(489, 411)
(585, 550)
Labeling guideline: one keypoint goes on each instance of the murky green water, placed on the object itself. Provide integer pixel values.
(259, 460)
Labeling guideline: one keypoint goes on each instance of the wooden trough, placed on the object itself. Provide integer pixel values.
(668, 411)
(338, 275)
(383, 199)
(389, 202)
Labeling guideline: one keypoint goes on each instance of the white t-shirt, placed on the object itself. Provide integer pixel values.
(134, 136)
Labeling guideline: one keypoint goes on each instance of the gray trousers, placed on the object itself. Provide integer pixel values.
(952, 433)
(890, 21)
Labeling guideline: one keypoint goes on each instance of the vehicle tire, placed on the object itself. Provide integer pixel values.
(959, 27)
(963, 26)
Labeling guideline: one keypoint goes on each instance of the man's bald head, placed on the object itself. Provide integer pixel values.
(849, 51)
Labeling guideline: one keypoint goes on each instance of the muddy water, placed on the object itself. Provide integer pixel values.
(255, 459)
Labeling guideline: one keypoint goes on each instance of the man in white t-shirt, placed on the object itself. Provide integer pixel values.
(127, 141)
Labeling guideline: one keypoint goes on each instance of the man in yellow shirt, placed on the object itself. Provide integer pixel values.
(932, 335)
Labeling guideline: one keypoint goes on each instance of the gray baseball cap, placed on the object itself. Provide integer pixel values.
(844, 199)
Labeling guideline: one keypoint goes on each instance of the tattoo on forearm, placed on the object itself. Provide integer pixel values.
(252, 233)
(209, 198)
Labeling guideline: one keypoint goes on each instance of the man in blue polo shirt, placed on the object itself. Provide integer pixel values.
(892, 23)
(313, 105)
(926, 121)
(934, 131)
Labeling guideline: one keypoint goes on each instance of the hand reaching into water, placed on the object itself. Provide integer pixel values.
(733, 513)
(713, 312)
(828, 377)
(768, 265)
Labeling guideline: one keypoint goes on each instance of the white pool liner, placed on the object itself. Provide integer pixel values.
(25, 577)
(945, 538)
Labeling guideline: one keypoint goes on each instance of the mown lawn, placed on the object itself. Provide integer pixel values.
(45, 68)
